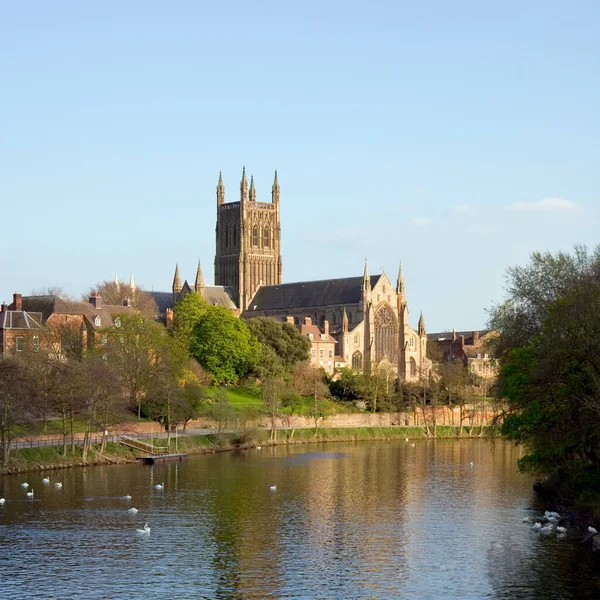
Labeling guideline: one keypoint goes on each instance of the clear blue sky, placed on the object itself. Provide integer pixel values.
(455, 136)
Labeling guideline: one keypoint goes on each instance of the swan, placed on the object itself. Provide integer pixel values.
(550, 514)
(145, 530)
(593, 530)
(413, 445)
(58, 484)
(560, 529)
(46, 480)
(127, 497)
(2, 500)
(132, 510)
(259, 447)
(471, 464)
(273, 488)
(527, 519)
(160, 486)
(25, 485)
(537, 526)
(406, 439)
(546, 529)
(30, 494)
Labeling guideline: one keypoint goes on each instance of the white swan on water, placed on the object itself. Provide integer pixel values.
(592, 530)
(560, 529)
(273, 488)
(132, 510)
(30, 494)
(58, 484)
(145, 530)
(24, 485)
(46, 480)
(126, 497)
(2, 500)
(160, 486)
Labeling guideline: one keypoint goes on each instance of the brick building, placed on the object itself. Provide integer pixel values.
(20, 330)
(322, 352)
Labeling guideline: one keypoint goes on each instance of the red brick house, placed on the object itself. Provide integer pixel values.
(20, 330)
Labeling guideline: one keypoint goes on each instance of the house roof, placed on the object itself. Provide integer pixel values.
(20, 319)
(446, 336)
(302, 294)
(316, 333)
(49, 305)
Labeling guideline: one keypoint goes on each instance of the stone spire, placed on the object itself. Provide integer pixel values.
(366, 279)
(132, 285)
(275, 190)
(421, 325)
(220, 191)
(252, 190)
(117, 284)
(176, 281)
(243, 186)
(199, 285)
(400, 283)
(345, 321)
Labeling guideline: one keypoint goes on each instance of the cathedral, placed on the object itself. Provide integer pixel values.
(367, 315)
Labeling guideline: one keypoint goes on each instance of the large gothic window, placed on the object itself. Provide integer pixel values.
(266, 238)
(357, 361)
(255, 236)
(234, 237)
(385, 334)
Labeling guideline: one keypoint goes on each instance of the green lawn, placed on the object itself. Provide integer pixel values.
(241, 396)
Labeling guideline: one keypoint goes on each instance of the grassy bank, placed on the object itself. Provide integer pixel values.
(47, 458)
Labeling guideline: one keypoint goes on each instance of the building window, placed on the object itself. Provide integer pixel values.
(321, 353)
(36, 343)
(97, 321)
(357, 361)
(314, 353)
(226, 237)
(117, 322)
(412, 342)
(234, 237)
(356, 339)
(255, 236)
(473, 367)
(413, 367)
(331, 354)
(266, 238)
(20, 343)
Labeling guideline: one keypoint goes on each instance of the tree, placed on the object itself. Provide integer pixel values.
(17, 401)
(550, 375)
(186, 314)
(134, 348)
(222, 413)
(117, 293)
(283, 338)
(224, 345)
(311, 381)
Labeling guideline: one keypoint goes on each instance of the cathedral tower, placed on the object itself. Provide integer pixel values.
(248, 241)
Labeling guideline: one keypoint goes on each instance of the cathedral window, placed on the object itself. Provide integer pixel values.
(357, 361)
(356, 339)
(385, 334)
(413, 367)
(255, 236)
(266, 238)
(412, 342)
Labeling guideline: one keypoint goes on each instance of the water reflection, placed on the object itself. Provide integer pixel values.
(363, 520)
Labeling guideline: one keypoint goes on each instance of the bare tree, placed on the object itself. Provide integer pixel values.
(117, 294)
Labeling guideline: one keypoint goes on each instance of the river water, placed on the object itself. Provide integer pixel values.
(348, 520)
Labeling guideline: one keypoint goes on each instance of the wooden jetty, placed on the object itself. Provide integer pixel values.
(152, 453)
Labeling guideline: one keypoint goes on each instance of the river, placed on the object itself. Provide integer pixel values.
(348, 520)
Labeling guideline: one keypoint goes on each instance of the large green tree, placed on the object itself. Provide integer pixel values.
(186, 314)
(224, 345)
(283, 338)
(550, 372)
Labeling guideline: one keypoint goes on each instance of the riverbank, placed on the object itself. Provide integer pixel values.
(50, 458)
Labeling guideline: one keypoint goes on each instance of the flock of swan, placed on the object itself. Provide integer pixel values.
(551, 523)
(145, 530)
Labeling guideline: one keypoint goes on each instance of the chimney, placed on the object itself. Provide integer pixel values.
(454, 335)
(475, 337)
(326, 327)
(462, 340)
(307, 320)
(126, 301)
(96, 300)
(3, 308)
(169, 318)
(17, 301)
(290, 319)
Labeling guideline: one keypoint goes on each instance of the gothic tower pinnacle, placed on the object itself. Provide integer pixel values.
(199, 285)
(243, 186)
(366, 279)
(252, 190)
(176, 283)
(220, 191)
(275, 190)
(421, 325)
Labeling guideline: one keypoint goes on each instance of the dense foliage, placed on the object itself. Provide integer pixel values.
(283, 338)
(550, 360)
